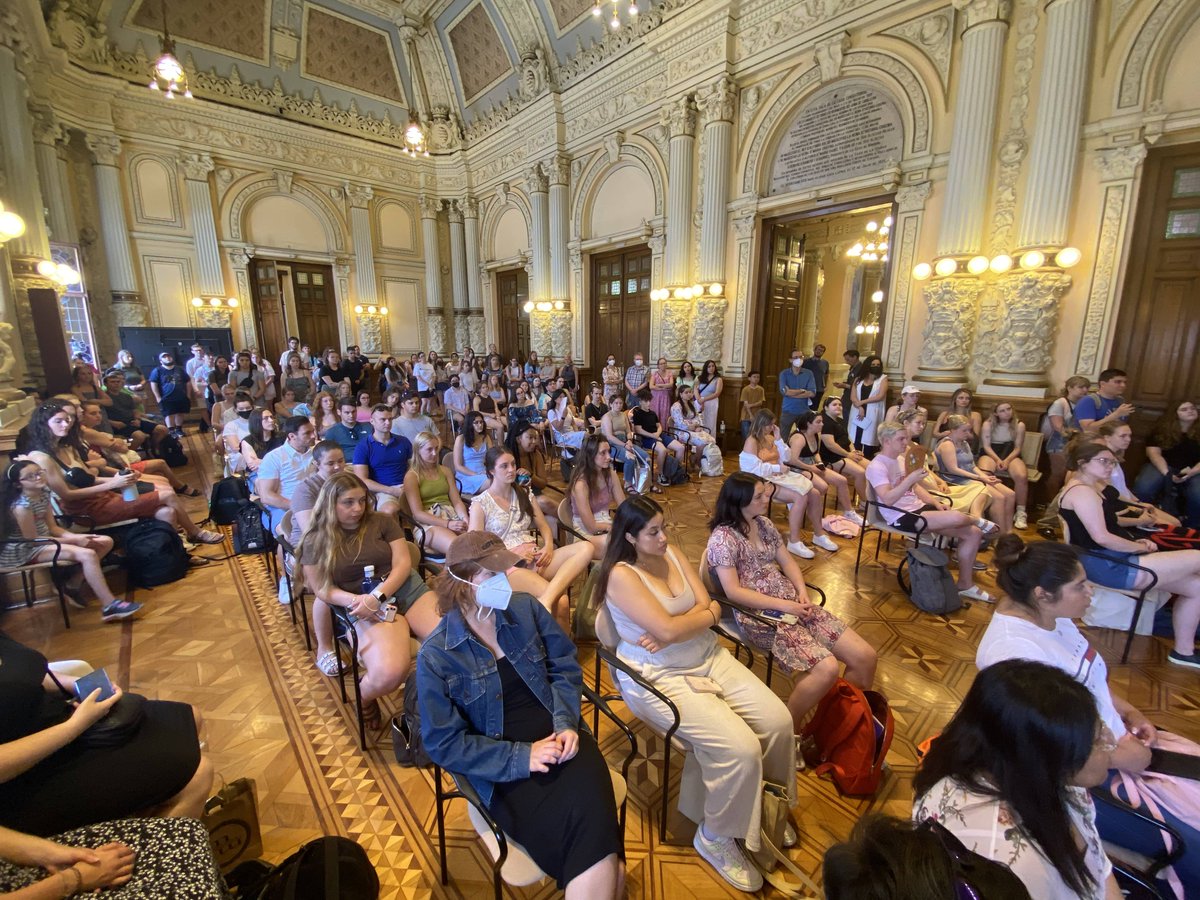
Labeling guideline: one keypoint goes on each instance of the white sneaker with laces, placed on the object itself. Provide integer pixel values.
(825, 542)
(285, 596)
(1021, 520)
(801, 549)
(724, 855)
(853, 517)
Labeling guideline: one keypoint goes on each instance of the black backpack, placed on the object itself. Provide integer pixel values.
(673, 472)
(228, 496)
(171, 452)
(154, 554)
(406, 731)
(931, 587)
(252, 531)
(329, 868)
(985, 878)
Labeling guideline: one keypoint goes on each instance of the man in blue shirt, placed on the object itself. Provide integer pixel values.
(381, 461)
(348, 432)
(819, 366)
(797, 387)
(285, 467)
(1107, 405)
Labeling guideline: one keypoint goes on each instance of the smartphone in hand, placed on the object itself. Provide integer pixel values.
(88, 683)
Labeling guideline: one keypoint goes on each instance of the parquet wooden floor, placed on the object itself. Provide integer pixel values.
(221, 641)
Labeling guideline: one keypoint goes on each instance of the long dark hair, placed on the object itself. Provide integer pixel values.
(705, 378)
(1023, 567)
(631, 519)
(489, 465)
(468, 429)
(257, 439)
(585, 469)
(736, 494)
(1023, 731)
(10, 493)
(513, 441)
(43, 439)
(888, 859)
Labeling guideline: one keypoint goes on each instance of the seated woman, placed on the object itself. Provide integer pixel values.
(285, 407)
(470, 447)
(52, 778)
(615, 427)
(740, 732)
(25, 514)
(911, 501)
(804, 449)
(687, 426)
(54, 445)
(960, 405)
(1117, 436)
(1045, 590)
(765, 454)
(362, 410)
(971, 497)
(747, 560)
(956, 464)
(1172, 470)
(542, 777)
(566, 428)
(527, 447)
(524, 409)
(1058, 427)
(649, 429)
(343, 537)
(1000, 453)
(324, 412)
(297, 378)
(909, 395)
(262, 438)
(1091, 516)
(836, 450)
(507, 511)
(595, 490)
(491, 409)
(1009, 777)
(432, 494)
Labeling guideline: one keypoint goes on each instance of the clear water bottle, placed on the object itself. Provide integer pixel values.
(721, 434)
(129, 493)
(368, 580)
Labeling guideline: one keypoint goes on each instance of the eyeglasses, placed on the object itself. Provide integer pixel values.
(1106, 461)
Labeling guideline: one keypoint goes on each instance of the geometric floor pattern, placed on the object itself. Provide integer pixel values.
(221, 641)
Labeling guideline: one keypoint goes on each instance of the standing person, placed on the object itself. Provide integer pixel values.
(293, 346)
(569, 374)
(356, 366)
(348, 431)
(268, 375)
(819, 366)
(1000, 444)
(797, 388)
(344, 536)
(635, 378)
(195, 362)
(1059, 426)
(595, 490)
(246, 376)
(540, 774)
(331, 373)
(751, 400)
(708, 395)
(423, 373)
(1173, 463)
(612, 378)
(686, 376)
(381, 460)
(854, 367)
(740, 733)
(662, 390)
(411, 420)
(960, 405)
(198, 369)
(134, 380)
(173, 390)
(218, 377)
(283, 468)
(1107, 404)
(868, 397)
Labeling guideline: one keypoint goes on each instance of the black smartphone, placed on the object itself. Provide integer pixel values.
(1168, 762)
(91, 681)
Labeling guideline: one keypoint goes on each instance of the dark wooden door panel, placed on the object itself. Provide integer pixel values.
(621, 306)
(268, 306)
(781, 320)
(316, 306)
(512, 288)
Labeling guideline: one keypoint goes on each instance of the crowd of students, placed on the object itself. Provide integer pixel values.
(498, 677)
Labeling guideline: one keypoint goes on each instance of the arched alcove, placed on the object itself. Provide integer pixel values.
(623, 199)
(510, 236)
(281, 221)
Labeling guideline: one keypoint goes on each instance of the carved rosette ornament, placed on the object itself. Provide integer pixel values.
(1024, 347)
(946, 338)
(676, 324)
(708, 328)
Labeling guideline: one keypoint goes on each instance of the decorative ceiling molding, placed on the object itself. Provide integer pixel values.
(371, 69)
(233, 27)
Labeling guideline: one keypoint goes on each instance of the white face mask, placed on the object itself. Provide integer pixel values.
(796, 361)
(612, 362)
(637, 362)
(492, 593)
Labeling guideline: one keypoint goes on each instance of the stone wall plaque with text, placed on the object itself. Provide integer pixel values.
(844, 131)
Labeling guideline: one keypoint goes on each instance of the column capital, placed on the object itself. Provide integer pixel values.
(46, 127)
(679, 117)
(239, 257)
(717, 101)
(359, 195)
(470, 207)
(105, 148)
(744, 221)
(559, 169)
(539, 182)
(455, 211)
(1119, 163)
(196, 166)
(430, 206)
(912, 197)
(979, 12)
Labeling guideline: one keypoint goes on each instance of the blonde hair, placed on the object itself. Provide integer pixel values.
(910, 415)
(890, 430)
(420, 442)
(325, 536)
(956, 421)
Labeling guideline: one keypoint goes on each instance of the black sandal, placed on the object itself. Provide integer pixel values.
(186, 491)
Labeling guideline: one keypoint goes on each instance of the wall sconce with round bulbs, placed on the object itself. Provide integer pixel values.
(1033, 259)
(11, 225)
(216, 302)
(946, 266)
(1067, 257)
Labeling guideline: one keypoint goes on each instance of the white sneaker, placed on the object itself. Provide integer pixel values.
(790, 838)
(285, 596)
(825, 542)
(853, 517)
(801, 549)
(1020, 520)
(724, 855)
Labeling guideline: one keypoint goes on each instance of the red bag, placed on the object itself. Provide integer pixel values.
(848, 737)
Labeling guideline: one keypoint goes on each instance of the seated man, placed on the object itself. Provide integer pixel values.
(348, 431)
(118, 453)
(236, 431)
(125, 414)
(381, 461)
(411, 420)
(285, 467)
(458, 403)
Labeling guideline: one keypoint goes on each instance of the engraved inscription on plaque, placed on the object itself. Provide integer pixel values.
(845, 131)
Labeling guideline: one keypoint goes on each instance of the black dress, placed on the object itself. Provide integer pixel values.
(566, 819)
(78, 785)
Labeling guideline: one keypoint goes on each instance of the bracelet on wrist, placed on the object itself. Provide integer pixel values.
(71, 885)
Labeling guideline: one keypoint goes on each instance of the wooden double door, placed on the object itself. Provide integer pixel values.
(512, 292)
(781, 318)
(315, 320)
(621, 306)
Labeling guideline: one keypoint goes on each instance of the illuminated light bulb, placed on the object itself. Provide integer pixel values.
(67, 275)
(856, 250)
(46, 268)
(215, 301)
(372, 309)
(1034, 259)
(233, 302)
(11, 225)
(1001, 264)
(596, 9)
(1067, 257)
(678, 293)
(716, 289)
(358, 309)
(922, 271)
(559, 305)
(615, 23)
(528, 307)
(872, 226)
(859, 329)
(877, 297)
(383, 310)
(978, 265)
(888, 222)
(697, 290)
(946, 266)
(633, 9)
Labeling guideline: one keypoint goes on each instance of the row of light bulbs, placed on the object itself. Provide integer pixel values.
(544, 306)
(688, 293)
(60, 272)
(216, 302)
(371, 310)
(978, 265)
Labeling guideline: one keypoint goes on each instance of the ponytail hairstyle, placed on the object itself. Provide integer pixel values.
(1025, 567)
(631, 519)
(493, 456)
(10, 493)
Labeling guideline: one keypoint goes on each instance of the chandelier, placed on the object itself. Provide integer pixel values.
(615, 21)
(167, 74)
(873, 246)
(414, 139)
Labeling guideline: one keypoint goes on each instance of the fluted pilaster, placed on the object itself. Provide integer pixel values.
(196, 169)
(560, 216)
(22, 190)
(679, 117)
(114, 228)
(539, 277)
(48, 133)
(717, 105)
(366, 291)
(470, 207)
(458, 273)
(436, 326)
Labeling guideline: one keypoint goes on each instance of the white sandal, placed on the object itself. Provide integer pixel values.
(328, 663)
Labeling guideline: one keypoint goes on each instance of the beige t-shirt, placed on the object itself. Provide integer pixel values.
(375, 549)
(751, 394)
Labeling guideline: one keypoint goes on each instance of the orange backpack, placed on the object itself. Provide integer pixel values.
(848, 737)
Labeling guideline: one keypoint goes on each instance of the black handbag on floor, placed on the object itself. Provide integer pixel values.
(406, 731)
(329, 868)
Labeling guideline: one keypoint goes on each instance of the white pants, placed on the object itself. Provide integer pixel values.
(738, 738)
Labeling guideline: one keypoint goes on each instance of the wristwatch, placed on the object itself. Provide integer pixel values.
(378, 594)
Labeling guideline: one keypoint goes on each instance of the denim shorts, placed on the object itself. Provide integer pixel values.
(1109, 573)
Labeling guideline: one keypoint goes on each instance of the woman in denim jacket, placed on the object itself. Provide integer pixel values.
(499, 686)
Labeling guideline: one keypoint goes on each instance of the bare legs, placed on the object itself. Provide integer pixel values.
(962, 527)
(1178, 571)
(604, 880)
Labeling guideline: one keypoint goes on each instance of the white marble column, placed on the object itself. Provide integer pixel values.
(196, 169)
(366, 290)
(458, 274)
(679, 118)
(560, 218)
(717, 106)
(475, 331)
(48, 133)
(435, 321)
(539, 235)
